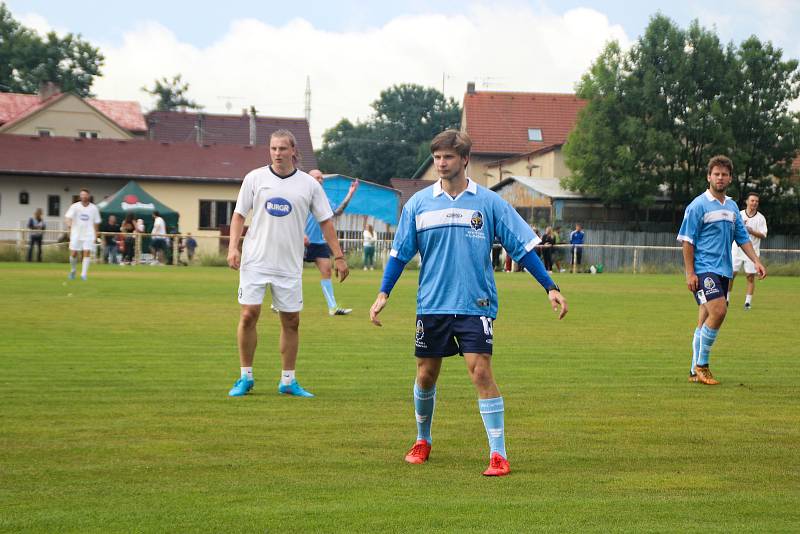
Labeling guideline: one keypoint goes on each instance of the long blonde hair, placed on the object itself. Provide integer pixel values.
(286, 134)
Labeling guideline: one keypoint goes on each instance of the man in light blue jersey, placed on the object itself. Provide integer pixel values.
(317, 250)
(452, 225)
(710, 225)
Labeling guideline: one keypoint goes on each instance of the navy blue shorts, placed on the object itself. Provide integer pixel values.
(441, 335)
(317, 250)
(711, 286)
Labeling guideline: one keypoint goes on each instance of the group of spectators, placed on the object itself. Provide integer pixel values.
(550, 254)
(119, 241)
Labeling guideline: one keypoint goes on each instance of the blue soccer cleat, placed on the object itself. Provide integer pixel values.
(293, 389)
(241, 387)
(71, 275)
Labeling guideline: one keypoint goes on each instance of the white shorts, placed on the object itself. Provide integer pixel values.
(81, 244)
(740, 259)
(287, 293)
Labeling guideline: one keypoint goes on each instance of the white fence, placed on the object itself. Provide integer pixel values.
(632, 258)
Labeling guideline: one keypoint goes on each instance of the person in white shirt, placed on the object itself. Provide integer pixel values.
(756, 225)
(280, 197)
(369, 248)
(158, 239)
(83, 221)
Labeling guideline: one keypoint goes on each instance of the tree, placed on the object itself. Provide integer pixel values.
(394, 141)
(171, 94)
(659, 112)
(27, 60)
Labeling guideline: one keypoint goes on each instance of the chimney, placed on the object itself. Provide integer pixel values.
(253, 125)
(47, 89)
(470, 88)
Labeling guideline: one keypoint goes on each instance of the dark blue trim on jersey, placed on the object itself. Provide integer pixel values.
(534, 265)
(391, 274)
(282, 177)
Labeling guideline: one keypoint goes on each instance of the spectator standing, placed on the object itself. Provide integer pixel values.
(548, 240)
(369, 248)
(576, 238)
(110, 251)
(158, 238)
(191, 245)
(128, 228)
(37, 224)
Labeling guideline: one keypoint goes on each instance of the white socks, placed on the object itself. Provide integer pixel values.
(85, 266)
(748, 299)
(287, 377)
(73, 262)
(247, 372)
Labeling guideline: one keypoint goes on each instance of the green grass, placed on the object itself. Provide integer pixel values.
(114, 415)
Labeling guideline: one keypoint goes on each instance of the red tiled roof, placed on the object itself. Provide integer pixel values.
(132, 158)
(498, 122)
(408, 187)
(127, 114)
(180, 126)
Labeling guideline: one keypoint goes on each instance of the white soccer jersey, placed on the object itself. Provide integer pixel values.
(83, 220)
(758, 223)
(159, 227)
(274, 240)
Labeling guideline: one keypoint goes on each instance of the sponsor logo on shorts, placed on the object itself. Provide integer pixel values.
(241, 292)
(419, 335)
(278, 207)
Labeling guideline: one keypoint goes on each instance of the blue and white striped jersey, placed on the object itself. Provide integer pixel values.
(454, 238)
(712, 226)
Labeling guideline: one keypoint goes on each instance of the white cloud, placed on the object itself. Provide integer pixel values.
(516, 48)
(37, 23)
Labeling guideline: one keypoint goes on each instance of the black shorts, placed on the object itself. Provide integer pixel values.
(711, 286)
(317, 250)
(158, 243)
(441, 335)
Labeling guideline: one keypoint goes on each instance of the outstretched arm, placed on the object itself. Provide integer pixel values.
(343, 206)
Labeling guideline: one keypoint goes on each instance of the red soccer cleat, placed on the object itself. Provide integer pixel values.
(419, 452)
(498, 466)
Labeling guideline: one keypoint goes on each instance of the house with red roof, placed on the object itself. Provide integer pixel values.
(245, 129)
(515, 134)
(51, 113)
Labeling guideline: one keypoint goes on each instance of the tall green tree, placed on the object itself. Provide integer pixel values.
(657, 113)
(27, 60)
(171, 94)
(394, 141)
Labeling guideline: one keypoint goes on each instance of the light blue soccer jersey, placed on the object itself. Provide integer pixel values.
(454, 238)
(712, 226)
(313, 230)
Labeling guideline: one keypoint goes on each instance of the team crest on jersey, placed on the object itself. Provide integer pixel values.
(709, 283)
(278, 207)
(476, 221)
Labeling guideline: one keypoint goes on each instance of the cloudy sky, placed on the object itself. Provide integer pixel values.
(240, 53)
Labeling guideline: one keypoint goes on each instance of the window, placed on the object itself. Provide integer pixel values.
(534, 134)
(214, 213)
(53, 205)
(44, 132)
(85, 134)
(24, 198)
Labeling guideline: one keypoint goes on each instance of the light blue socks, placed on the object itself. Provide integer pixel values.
(492, 411)
(424, 401)
(327, 290)
(707, 338)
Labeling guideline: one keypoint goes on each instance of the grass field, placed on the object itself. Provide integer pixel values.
(115, 415)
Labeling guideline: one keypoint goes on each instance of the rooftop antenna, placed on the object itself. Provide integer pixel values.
(308, 99)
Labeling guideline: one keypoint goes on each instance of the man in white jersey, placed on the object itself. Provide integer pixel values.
(280, 196)
(756, 226)
(83, 221)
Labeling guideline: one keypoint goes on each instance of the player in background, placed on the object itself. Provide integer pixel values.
(83, 222)
(317, 249)
(452, 225)
(280, 197)
(711, 223)
(756, 225)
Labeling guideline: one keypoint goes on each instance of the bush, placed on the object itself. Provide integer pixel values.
(213, 260)
(10, 252)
